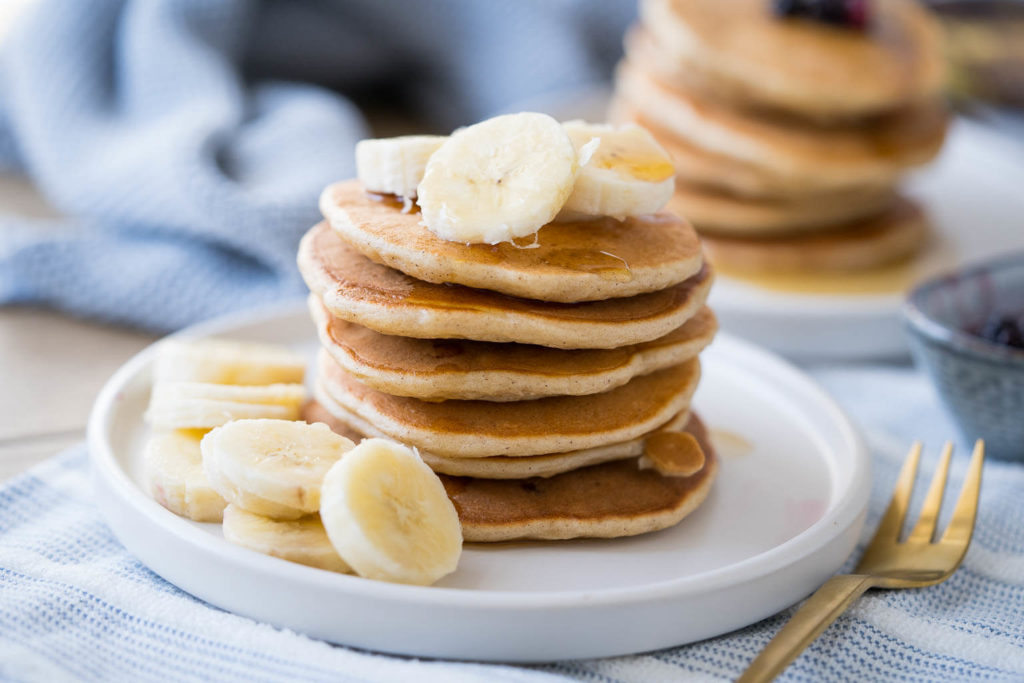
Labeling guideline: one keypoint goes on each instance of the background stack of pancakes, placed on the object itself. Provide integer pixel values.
(530, 379)
(789, 133)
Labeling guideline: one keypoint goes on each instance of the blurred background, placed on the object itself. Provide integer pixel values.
(159, 159)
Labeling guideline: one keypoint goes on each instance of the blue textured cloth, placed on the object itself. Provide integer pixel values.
(75, 604)
(187, 140)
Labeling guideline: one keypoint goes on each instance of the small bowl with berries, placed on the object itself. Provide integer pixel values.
(967, 332)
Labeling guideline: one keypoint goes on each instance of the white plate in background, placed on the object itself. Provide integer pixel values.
(785, 512)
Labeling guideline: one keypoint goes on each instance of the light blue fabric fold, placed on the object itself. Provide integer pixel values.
(187, 140)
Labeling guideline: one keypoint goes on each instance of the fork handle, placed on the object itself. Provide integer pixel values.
(820, 610)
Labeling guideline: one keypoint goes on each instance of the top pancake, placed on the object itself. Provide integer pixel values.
(355, 289)
(585, 261)
(740, 50)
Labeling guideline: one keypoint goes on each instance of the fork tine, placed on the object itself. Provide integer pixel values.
(892, 521)
(962, 524)
(925, 527)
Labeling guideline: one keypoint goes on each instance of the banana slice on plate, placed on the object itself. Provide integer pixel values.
(245, 500)
(395, 165)
(173, 466)
(499, 179)
(388, 516)
(202, 405)
(629, 173)
(276, 461)
(302, 540)
(224, 361)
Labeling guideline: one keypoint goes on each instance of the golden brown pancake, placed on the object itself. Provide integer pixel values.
(720, 213)
(895, 235)
(557, 424)
(698, 166)
(609, 500)
(739, 50)
(499, 466)
(439, 369)
(354, 288)
(587, 261)
(849, 155)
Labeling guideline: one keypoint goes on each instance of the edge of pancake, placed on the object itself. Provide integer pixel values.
(704, 167)
(510, 385)
(496, 466)
(858, 158)
(459, 441)
(406, 319)
(544, 281)
(892, 236)
(560, 526)
(721, 213)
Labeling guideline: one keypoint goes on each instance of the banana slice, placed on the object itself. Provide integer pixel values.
(388, 516)
(275, 461)
(245, 500)
(174, 473)
(499, 179)
(395, 165)
(224, 361)
(629, 174)
(302, 540)
(201, 405)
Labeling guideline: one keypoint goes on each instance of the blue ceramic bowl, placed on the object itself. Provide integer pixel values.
(980, 382)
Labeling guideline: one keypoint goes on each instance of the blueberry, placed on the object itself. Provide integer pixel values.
(829, 11)
(1003, 329)
(848, 13)
(790, 8)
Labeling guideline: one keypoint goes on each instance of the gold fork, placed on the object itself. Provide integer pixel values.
(887, 562)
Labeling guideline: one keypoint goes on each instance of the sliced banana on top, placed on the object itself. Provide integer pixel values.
(499, 179)
(173, 467)
(225, 361)
(279, 461)
(395, 165)
(388, 516)
(302, 540)
(628, 174)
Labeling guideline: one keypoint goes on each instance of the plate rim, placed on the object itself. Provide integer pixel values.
(849, 508)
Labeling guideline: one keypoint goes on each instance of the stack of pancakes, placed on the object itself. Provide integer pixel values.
(789, 134)
(532, 380)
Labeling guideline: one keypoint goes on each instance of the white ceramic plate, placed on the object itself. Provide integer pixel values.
(973, 196)
(785, 512)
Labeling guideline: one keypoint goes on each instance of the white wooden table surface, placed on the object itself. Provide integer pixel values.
(51, 365)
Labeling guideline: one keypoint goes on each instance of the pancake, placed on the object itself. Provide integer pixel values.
(608, 500)
(698, 166)
(849, 155)
(739, 50)
(439, 369)
(720, 213)
(326, 409)
(478, 429)
(586, 261)
(355, 289)
(893, 236)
